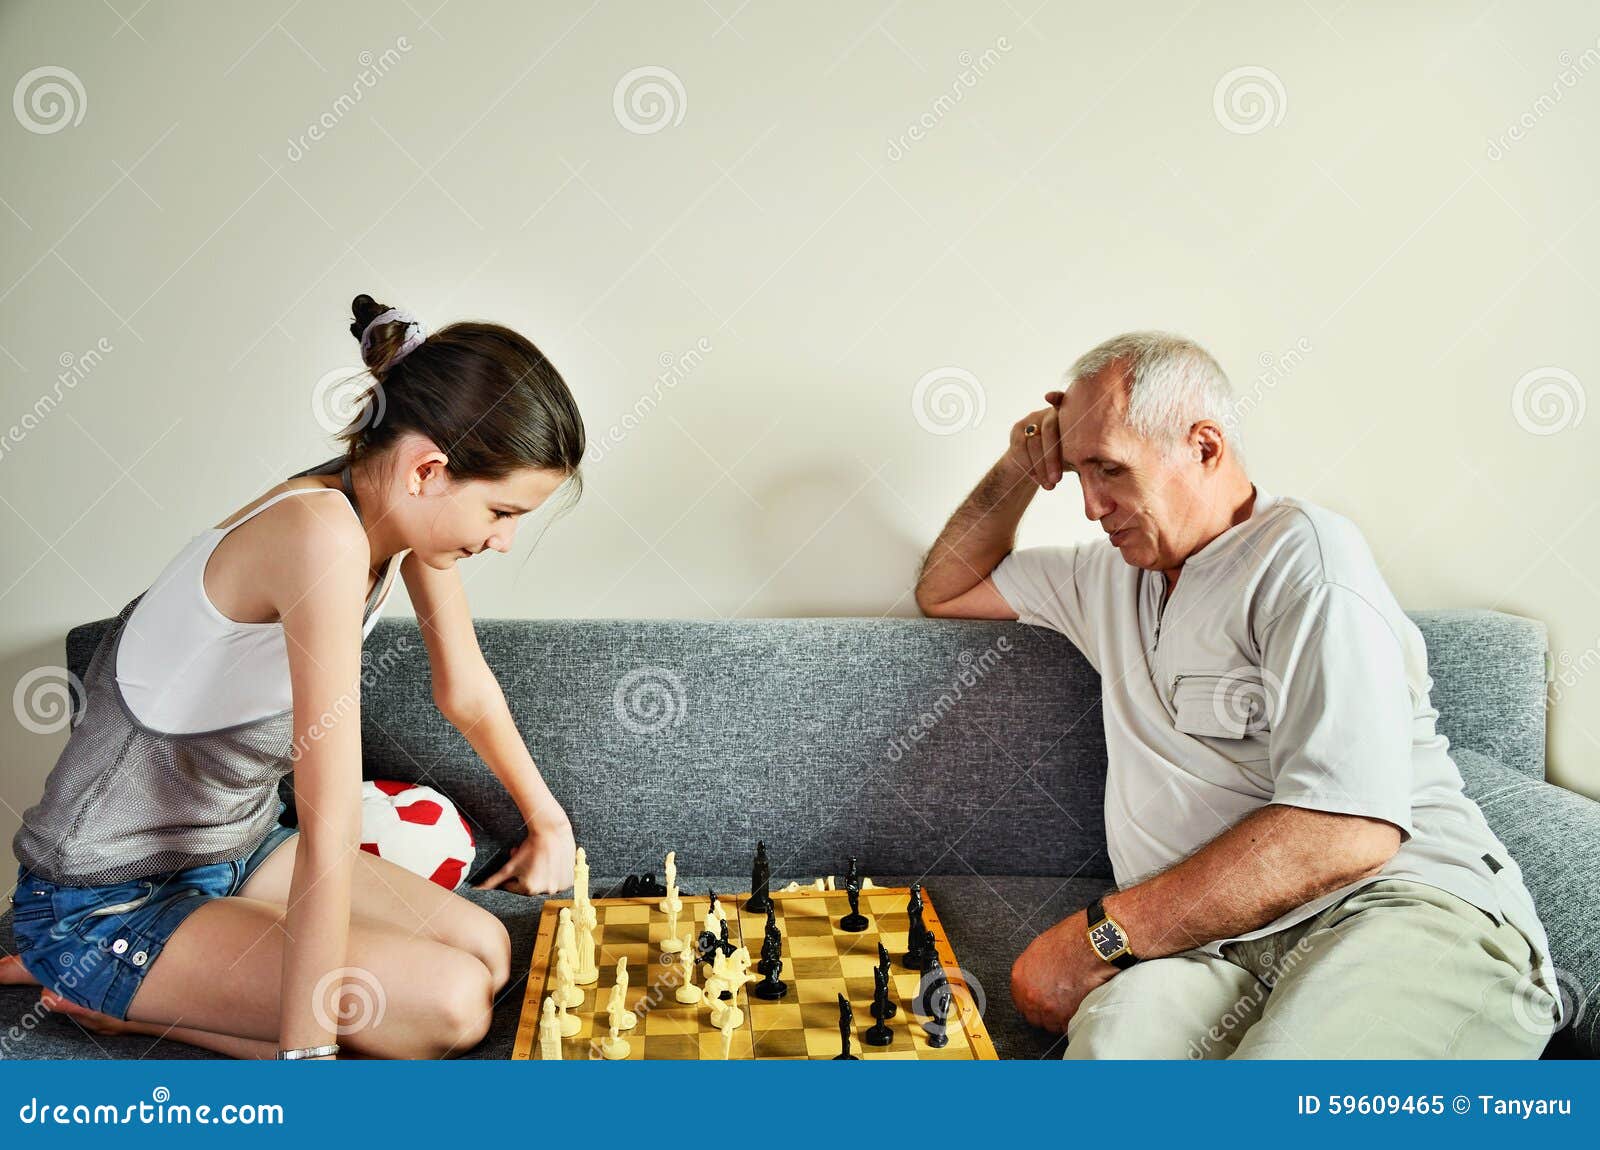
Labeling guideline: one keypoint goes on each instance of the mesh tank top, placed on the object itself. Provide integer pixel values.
(127, 801)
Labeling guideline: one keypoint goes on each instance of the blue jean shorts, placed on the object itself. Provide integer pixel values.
(93, 945)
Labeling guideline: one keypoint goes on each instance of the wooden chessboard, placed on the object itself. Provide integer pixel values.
(820, 962)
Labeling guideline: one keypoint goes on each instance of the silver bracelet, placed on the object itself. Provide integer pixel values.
(310, 1051)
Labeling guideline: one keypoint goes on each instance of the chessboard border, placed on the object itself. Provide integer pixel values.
(522, 1049)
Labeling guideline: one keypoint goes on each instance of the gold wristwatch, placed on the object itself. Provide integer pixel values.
(1108, 938)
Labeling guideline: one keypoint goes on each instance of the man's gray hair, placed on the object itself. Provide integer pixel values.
(1172, 383)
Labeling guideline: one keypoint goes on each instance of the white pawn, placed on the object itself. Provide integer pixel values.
(615, 1048)
(688, 993)
(621, 1017)
(549, 1032)
(570, 1023)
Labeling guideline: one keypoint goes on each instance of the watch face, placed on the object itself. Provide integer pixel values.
(1107, 939)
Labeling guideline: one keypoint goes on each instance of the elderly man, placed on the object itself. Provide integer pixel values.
(1298, 873)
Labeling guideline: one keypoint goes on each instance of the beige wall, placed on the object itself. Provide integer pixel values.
(1369, 227)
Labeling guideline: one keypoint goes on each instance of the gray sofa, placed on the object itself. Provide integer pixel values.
(966, 754)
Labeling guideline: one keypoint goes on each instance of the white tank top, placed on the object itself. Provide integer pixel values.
(185, 667)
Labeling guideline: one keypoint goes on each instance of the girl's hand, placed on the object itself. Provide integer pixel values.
(542, 863)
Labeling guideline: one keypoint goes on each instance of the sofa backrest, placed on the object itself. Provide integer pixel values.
(918, 745)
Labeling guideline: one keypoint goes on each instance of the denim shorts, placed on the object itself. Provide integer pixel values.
(93, 945)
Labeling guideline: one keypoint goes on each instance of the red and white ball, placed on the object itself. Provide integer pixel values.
(416, 827)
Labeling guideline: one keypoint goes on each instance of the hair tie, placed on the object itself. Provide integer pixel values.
(415, 333)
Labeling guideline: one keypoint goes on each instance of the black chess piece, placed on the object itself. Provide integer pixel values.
(855, 922)
(771, 988)
(879, 1033)
(937, 995)
(650, 888)
(723, 944)
(890, 1009)
(705, 946)
(771, 940)
(916, 931)
(928, 957)
(847, 1023)
(760, 881)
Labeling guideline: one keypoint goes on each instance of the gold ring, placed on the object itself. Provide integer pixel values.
(1031, 429)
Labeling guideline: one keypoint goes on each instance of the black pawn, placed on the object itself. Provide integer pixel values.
(916, 932)
(771, 988)
(847, 1023)
(879, 1034)
(760, 882)
(890, 1009)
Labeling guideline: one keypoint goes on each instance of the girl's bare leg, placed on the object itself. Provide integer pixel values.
(405, 997)
(13, 973)
(93, 1020)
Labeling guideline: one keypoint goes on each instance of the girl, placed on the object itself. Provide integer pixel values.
(157, 893)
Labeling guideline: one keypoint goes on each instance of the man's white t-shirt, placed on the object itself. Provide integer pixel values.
(1280, 669)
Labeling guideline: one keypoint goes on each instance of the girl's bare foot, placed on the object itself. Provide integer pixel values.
(13, 973)
(82, 1015)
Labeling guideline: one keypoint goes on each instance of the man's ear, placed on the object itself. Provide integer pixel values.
(1207, 439)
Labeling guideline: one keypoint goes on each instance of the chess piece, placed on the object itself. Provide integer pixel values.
(855, 922)
(729, 1025)
(771, 942)
(847, 1023)
(586, 972)
(760, 882)
(580, 877)
(672, 902)
(725, 946)
(883, 965)
(771, 988)
(566, 990)
(549, 1032)
(569, 1023)
(688, 993)
(672, 942)
(615, 1048)
(617, 1006)
(938, 998)
(916, 932)
(879, 1033)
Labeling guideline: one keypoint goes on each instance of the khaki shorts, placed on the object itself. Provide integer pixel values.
(1397, 969)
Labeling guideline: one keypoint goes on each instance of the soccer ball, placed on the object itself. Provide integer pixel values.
(416, 827)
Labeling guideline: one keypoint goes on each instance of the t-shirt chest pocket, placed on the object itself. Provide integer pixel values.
(1228, 705)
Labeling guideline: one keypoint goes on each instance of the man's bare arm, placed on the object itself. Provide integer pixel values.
(954, 581)
(1267, 864)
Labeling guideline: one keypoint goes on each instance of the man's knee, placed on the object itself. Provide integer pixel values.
(1188, 1005)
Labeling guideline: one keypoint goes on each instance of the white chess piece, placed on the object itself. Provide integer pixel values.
(735, 974)
(621, 1017)
(688, 993)
(580, 877)
(671, 943)
(615, 1048)
(728, 1027)
(570, 1023)
(549, 1032)
(566, 991)
(586, 971)
(672, 901)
